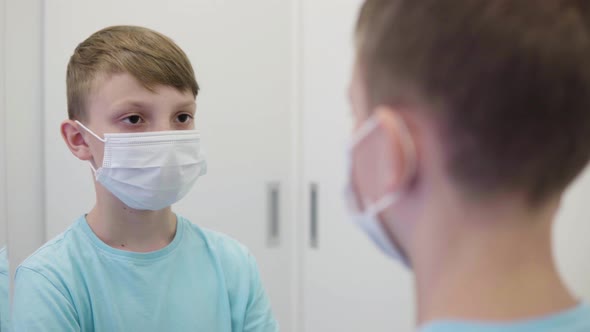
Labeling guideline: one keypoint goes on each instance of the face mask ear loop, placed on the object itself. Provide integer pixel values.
(365, 129)
(90, 131)
(93, 169)
(381, 205)
(97, 137)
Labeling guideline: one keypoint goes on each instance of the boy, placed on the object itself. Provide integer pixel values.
(472, 118)
(131, 264)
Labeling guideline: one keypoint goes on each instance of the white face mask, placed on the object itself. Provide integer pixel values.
(150, 170)
(368, 220)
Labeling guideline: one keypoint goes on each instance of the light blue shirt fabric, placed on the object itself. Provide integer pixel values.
(201, 281)
(573, 320)
(4, 307)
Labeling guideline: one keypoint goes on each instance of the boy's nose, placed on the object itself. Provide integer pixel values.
(162, 125)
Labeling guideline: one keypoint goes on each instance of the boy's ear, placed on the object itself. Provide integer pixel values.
(385, 160)
(75, 140)
(399, 144)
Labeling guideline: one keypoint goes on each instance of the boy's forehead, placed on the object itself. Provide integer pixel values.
(122, 84)
(123, 90)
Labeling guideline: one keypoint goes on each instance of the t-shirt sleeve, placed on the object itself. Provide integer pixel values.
(4, 322)
(38, 305)
(259, 317)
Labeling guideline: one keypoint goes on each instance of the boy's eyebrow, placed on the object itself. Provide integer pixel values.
(131, 104)
(191, 103)
(141, 105)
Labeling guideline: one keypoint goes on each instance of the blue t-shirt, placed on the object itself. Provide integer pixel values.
(573, 320)
(3, 290)
(201, 281)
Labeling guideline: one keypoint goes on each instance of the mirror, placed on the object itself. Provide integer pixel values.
(273, 119)
(242, 66)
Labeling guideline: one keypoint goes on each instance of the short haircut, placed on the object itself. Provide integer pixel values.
(507, 80)
(152, 58)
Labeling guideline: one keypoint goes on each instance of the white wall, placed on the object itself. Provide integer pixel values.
(24, 128)
(348, 285)
(2, 132)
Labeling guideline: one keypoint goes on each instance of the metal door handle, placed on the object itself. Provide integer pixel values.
(273, 214)
(313, 215)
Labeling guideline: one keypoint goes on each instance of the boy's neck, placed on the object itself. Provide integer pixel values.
(127, 229)
(488, 265)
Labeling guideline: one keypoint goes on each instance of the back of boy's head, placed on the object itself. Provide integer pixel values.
(508, 82)
(152, 58)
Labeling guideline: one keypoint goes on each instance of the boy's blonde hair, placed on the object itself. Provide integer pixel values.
(152, 58)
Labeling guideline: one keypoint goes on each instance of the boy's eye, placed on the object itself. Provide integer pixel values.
(184, 118)
(133, 119)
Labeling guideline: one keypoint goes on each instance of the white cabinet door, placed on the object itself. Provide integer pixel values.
(348, 284)
(241, 52)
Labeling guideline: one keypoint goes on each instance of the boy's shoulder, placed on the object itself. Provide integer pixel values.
(57, 251)
(222, 245)
(234, 257)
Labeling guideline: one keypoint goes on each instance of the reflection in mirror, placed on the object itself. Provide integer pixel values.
(185, 275)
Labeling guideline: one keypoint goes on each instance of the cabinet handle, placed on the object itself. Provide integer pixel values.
(313, 215)
(273, 214)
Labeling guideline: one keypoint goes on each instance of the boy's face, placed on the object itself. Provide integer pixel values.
(120, 104)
